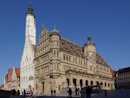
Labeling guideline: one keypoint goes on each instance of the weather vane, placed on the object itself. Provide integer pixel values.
(54, 27)
(30, 2)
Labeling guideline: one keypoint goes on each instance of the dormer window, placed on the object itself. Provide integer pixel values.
(67, 42)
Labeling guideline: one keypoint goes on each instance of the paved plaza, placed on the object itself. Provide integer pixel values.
(110, 94)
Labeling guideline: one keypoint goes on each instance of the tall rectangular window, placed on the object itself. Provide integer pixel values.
(54, 53)
(90, 68)
(64, 57)
(69, 58)
(54, 66)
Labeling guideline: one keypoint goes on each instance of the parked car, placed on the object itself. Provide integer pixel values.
(95, 88)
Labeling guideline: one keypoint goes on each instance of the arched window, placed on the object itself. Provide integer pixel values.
(91, 82)
(86, 82)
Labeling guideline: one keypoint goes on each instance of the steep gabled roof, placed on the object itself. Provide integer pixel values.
(9, 75)
(17, 70)
(100, 60)
(69, 46)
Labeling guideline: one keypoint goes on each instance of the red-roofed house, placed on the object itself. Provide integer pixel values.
(8, 80)
(2, 87)
(15, 79)
(60, 63)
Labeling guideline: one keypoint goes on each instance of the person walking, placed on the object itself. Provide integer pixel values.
(70, 93)
(88, 92)
(76, 91)
(18, 92)
(82, 93)
(24, 92)
(105, 91)
(51, 92)
(54, 92)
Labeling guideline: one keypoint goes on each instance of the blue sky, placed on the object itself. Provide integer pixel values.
(107, 21)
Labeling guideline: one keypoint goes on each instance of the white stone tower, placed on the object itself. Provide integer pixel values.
(30, 29)
(27, 66)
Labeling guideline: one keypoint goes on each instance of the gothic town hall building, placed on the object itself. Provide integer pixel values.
(60, 63)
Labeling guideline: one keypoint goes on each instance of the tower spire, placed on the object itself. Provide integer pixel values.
(54, 27)
(30, 3)
(30, 9)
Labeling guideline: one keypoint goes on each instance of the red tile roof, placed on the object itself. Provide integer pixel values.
(17, 70)
(69, 47)
(9, 75)
(101, 60)
(6, 78)
(1, 86)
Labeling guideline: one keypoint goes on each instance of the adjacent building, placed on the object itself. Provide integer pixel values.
(123, 78)
(12, 79)
(27, 61)
(2, 87)
(8, 80)
(15, 79)
(60, 63)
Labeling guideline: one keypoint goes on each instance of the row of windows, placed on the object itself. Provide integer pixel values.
(25, 70)
(74, 68)
(56, 53)
(44, 42)
(126, 73)
(123, 82)
(26, 78)
(48, 68)
(124, 78)
(56, 43)
(43, 50)
(75, 59)
(43, 37)
(43, 58)
(102, 68)
(15, 79)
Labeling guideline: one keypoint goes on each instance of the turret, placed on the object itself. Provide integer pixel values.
(55, 50)
(90, 53)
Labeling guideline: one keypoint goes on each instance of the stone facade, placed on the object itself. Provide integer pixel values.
(15, 79)
(123, 78)
(12, 79)
(60, 63)
(8, 80)
(27, 60)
